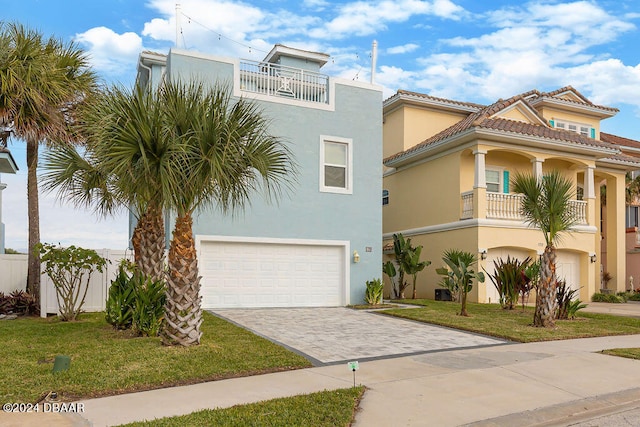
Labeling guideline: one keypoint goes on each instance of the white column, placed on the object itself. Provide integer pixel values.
(589, 188)
(479, 177)
(2, 187)
(537, 168)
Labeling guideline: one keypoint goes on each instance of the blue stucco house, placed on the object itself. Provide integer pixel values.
(320, 244)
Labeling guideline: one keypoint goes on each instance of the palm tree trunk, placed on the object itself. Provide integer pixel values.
(546, 292)
(182, 310)
(33, 269)
(152, 243)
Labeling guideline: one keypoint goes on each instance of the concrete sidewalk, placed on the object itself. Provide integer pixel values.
(547, 383)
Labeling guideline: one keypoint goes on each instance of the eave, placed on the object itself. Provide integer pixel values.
(590, 110)
(7, 162)
(403, 98)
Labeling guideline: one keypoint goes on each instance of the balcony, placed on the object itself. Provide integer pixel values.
(507, 207)
(276, 80)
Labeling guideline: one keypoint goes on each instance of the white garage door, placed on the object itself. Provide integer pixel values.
(568, 268)
(494, 255)
(261, 274)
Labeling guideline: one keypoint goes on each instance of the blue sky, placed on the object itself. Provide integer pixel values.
(467, 50)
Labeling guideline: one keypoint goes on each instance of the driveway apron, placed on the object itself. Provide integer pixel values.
(337, 334)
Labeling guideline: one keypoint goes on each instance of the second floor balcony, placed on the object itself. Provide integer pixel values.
(507, 207)
(277, 80)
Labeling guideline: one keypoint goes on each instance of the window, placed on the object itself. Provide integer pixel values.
(632, 216)
(385, 197)
(582, 129)
(336, 165)
(497, 180)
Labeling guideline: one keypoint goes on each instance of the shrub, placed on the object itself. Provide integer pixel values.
(373, 294)
(459, 274)
(634, 296)
(18, 302)
(564, 297)
(148, 311)
(70, 270)
(511, 281)
(120, 302)
(573, 307)
(599, 297)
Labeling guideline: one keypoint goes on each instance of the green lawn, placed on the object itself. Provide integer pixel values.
(323, 409)
(107, 362)
(631, 353)
(515, 325)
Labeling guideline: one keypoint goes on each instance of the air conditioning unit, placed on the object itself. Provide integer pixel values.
(443, 295)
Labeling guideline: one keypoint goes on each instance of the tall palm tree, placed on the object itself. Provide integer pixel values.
(229, 156)
(545, 205)
(41, 83)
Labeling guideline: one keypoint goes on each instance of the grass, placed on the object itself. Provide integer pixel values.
(106, 362)
(515, 325)
(323, 409)
(630, 353)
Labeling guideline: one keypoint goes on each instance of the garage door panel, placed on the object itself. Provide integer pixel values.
(252, 274)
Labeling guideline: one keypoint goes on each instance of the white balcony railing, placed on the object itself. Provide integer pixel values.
(467, 205)
(287, 82)
(507, 206)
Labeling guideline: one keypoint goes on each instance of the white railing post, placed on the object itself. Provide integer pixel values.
(467, 205)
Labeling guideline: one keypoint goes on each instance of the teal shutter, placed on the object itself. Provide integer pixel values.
(593, 133)
(552, 123)
(505, 182)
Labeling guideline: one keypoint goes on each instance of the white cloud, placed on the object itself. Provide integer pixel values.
(111, 52)
(405, 48)
(362, 18)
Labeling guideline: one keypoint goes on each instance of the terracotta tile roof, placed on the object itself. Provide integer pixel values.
(585, 101)
(482, 119)
(625, 158)
(619, 140)
(443, 100)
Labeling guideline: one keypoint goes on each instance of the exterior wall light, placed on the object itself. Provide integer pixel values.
(483, 254)
(593, 258)
(356, 257)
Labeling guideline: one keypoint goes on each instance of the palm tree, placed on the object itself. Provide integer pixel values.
(41, 83)
(230, 155)
(459, 275)
(545, 205)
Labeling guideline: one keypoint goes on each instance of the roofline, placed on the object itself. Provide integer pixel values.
(152, 58)
(594, 110)
(280, 49)
(480, 132)
(409, 98)
(10, 158)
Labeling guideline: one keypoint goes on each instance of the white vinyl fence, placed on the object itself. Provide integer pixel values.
(13, 276)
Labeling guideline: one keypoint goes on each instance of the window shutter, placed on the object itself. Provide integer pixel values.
(552, 123)
(505, 182)
(593, 133)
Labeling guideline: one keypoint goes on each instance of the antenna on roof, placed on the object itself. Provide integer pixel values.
(177, 23)
(374, 59)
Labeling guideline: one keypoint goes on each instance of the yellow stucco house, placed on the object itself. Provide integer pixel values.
(447, 182)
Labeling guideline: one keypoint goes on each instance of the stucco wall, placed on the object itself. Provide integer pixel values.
(306, 212)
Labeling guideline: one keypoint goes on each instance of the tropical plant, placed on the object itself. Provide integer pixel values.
(460, 274)
(412, 265)
(42, 81)
(70, 271)
(510, 280)
(573, 308)
(229, 155)
(545, 205)
(401, 249)
(390, 270)
(565, 296)
(120, 301)
(610, 298)
(18, 302)
(373, 293)
(149, 305)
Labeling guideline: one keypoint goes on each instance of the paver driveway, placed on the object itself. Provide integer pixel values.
(337, 334)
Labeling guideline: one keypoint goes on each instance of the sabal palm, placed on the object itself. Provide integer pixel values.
(42, 80)
(545, 205)
(229, 156)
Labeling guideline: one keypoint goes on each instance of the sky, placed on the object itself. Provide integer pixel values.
(465, 50)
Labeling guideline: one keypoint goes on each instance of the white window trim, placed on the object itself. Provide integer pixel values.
(566, 124)
(349, 178)
(500, 178)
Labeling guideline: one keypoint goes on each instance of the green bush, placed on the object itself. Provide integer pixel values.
(599, 297)
(511, 281)
(119, 306)
(564, 297)
(373, 294)
(635, 296)
(148, 312)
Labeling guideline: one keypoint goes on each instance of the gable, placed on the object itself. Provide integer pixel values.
(521, 112)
